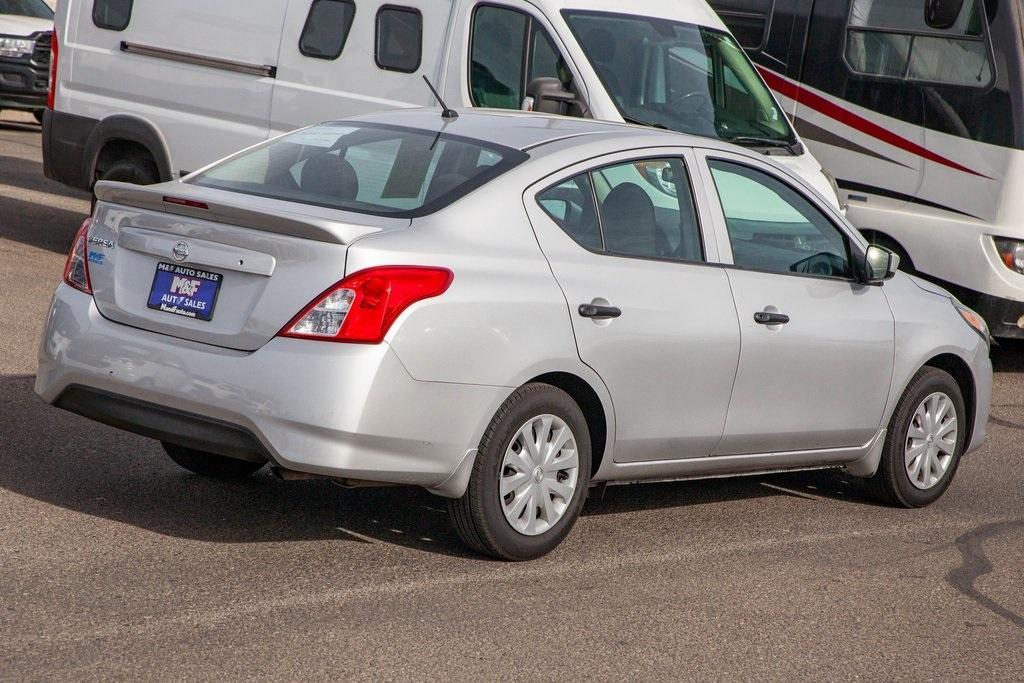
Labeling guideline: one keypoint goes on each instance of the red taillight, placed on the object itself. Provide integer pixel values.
(191, 203)
(51, 98)
(76, 270)
(362, 307)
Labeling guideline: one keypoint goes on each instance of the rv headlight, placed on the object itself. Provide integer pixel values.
(1011, 252)
(11, 46)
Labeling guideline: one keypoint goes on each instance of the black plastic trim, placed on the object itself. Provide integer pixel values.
(163, 423)
(65, 137)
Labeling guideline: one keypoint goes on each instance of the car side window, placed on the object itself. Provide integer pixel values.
(508, 50)
(893, 39)
(326, 29)
(774, 228)
(640, 208)
(113, 15)
(399, 38)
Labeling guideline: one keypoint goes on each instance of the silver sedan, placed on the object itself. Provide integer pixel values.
(506, 310)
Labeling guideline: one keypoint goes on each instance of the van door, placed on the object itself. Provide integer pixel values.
(203, 77)
(859, 113)
(508, 44)
(342, 58)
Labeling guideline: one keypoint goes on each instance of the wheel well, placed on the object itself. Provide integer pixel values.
(887, 241)
(589, 402)
(961, 372)
(117, 150)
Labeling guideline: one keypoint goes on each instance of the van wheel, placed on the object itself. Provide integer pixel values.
(530, 478)
(134, 170)
(210, 464)
(38, 113)
(924, 442)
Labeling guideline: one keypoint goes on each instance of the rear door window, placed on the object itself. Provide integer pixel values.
(378, 170)
(326, 29)
(114, 15)
(399, 38)
(642, 208)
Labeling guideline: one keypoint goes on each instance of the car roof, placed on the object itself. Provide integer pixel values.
(526, 131)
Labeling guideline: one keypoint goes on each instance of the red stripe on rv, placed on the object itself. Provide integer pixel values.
(834, 111)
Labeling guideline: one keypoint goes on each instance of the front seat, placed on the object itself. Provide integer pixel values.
(628, 219)
(330, 175)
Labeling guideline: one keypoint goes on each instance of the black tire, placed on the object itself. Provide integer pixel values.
(891, 483)
(209, 464)
(134, 170)
(478, 516)
(38, 113)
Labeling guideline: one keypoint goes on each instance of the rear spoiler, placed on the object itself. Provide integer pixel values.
(258, 213)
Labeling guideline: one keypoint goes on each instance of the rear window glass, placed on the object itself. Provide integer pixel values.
(327, 28)
(399, 38)
(112, 14)
(380, 170)
(26, 8)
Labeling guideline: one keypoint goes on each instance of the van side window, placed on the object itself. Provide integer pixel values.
(748, 20)
(399, 38)
(508, 50)
(892, 39)
(113, 15)
(326, 29)
(641, 208)
(773, 228)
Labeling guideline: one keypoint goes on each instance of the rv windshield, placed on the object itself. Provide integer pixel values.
(26, 8)
(683, 77)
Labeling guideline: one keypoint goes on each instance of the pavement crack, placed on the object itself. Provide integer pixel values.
(975, 564)
(1005, 423)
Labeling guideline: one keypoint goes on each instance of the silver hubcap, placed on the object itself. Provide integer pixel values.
(538, 475)
(931, 441)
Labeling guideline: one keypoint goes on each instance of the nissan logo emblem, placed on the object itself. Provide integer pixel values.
(180, 251)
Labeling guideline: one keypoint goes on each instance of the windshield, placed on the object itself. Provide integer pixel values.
(361, 167)
(684, 77)
(26, 8)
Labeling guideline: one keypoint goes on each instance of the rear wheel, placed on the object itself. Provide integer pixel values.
(138, 170)
(210, 464)
(530, 477)
(924, 443)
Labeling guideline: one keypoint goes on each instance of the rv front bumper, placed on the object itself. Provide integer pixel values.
(349, 411)
(1005, 317)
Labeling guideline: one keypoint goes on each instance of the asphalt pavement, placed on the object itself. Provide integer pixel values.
(117, 564)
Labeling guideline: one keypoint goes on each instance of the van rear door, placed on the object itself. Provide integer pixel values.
(202, 75)
(337, 60)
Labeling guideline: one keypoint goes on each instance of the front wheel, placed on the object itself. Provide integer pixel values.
(210, 464)
(530, 478)
(924, 443)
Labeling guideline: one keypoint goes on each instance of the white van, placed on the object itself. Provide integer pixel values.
(25, 29)
(148, 91)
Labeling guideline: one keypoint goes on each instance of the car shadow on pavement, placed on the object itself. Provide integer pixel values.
(64, 460)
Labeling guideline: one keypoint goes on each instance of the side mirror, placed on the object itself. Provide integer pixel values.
(880, 265)
(942, 14)
(548, 96)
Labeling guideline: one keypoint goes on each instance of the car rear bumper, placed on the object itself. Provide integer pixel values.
(339, 410)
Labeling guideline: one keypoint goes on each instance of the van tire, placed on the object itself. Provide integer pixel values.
(210, 464)
(478, 516)
(135, 170)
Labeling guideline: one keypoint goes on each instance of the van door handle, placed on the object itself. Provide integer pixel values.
(599, 312)
(765, 318)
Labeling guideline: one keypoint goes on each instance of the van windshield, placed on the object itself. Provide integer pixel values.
(363, 167)
(683, 77)
(26, 8)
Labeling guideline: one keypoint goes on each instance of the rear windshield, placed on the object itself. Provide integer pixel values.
(380, 170)
(26, 8)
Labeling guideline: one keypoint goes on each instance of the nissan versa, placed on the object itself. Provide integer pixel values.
(505, 309)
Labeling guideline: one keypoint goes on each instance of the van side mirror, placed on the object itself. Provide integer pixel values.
(942, 14)
(547, 95)
(880, 265)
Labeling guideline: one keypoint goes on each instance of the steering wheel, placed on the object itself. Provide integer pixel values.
(822, 263)
(696, 102)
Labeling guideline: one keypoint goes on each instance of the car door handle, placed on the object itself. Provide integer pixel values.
(766, 318)
(599, 312)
